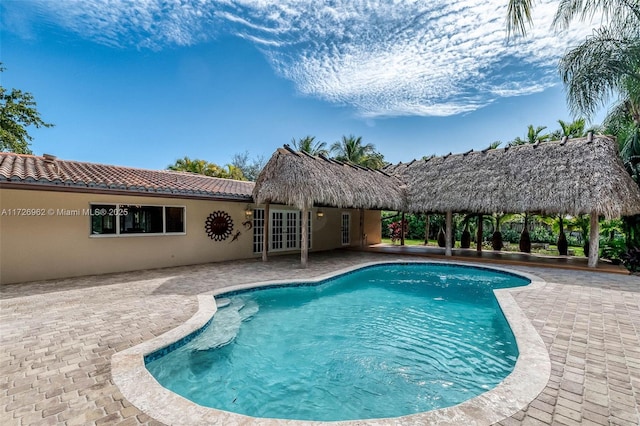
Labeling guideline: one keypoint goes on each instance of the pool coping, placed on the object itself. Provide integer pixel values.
(528, 378)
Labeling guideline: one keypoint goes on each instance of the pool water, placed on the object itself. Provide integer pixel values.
(384, 341)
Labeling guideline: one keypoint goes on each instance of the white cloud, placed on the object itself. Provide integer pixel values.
(430, 57)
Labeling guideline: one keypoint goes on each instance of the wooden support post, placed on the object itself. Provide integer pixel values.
(265, 241)
(426, 230)
(304, 240)
(594, 240)
(447, 235)
(479, 235)
(402, 229)
(362, 237)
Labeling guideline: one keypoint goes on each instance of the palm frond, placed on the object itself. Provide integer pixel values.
(593, 71)
(518, 17)
(612, 13)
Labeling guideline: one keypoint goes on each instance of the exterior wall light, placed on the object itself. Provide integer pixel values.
(248, 212)
(320, 214)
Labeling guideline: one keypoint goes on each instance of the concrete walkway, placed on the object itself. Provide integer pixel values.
(57, 338)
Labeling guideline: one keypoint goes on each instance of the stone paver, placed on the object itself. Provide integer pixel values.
(57, 338)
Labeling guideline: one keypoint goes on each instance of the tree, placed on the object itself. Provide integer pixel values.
(621, 122)
(606, 63)
(350, 149)
(17, 112)
(309, 145)
(203, 167)
(494, 145)
(534, 134)
(250, 168)
(574, 129)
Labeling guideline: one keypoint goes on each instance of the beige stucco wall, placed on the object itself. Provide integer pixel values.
(54, 245)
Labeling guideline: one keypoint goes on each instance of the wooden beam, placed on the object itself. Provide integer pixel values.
(265, 241)
(402, 229)
(426, 230)
(447, 234)
(304, 240)
(479, 235)
(594, 240)
(362, 237)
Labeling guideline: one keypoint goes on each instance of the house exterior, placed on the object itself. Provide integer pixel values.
(62, 218)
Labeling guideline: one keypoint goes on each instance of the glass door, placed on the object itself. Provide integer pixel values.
(345, 229)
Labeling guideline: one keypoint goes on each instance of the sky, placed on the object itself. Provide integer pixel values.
(143, 83)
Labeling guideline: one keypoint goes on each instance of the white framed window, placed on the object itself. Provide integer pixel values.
(134, 219)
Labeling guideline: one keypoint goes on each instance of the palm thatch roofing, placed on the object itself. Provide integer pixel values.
(573, 177)
(579, 176)
(302, 180)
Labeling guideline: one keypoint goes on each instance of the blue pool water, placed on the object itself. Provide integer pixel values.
(384, 341)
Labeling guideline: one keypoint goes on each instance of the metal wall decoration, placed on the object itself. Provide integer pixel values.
(219, 226)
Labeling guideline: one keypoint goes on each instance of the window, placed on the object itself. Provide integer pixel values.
(103, 219)
(284, 232)
(174, 219)
(258, 230)
(128, 219)
(141, 219)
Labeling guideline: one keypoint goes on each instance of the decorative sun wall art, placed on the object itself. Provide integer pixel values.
(219, 225)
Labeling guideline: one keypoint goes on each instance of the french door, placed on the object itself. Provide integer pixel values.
(285, 230)
(345, 229)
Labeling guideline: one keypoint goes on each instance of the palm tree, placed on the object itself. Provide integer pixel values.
(186, 164)
(624, 122)
(534, 134)
(574, 129)
(494, 145)
(309, 145)
(203, 167)
(231, 172)
(350, 149)
(606, 63)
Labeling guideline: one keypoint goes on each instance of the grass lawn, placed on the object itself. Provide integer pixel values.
(552, 250)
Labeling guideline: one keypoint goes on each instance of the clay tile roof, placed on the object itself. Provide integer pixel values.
(53, 173)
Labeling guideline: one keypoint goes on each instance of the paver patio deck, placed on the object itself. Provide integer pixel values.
(57, 338)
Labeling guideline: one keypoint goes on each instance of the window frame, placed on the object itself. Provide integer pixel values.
(120, 206)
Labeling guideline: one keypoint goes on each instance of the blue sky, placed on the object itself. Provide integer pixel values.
(143, 83)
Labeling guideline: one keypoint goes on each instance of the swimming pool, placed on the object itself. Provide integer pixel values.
(356, 346)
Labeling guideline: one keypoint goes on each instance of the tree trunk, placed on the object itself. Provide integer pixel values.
(426, 230)
(465, 239)
(594, 240)
(525, 238)
(496, 239)
(442, 241)
(563, 246)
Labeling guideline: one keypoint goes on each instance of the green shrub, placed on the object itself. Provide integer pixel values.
(542, 235)
(511, 236)
(613, 249)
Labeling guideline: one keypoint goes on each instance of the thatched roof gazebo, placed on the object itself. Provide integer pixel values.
(575, 177)
(302, 180)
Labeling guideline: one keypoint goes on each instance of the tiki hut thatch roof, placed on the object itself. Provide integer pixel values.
(579, 176)
(302, 180)
(574, 177)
